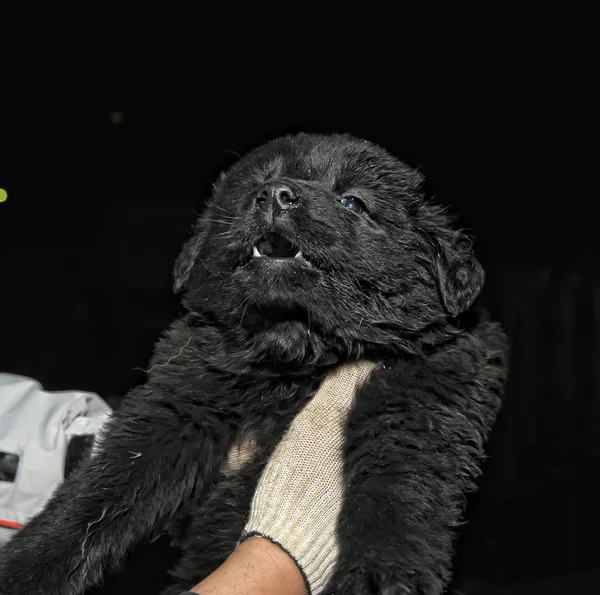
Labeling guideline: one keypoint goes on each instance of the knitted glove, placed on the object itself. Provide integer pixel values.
(299, 495)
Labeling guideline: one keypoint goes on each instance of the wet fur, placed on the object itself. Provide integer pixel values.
(252, 347)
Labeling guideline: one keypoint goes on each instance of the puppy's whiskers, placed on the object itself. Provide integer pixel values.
(225, 233)
(216, 206)
(232, 152)
(223, 221)
(246, 301)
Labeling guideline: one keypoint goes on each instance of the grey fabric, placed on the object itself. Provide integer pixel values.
(35, 429)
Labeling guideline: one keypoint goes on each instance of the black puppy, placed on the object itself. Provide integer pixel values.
(313, 251)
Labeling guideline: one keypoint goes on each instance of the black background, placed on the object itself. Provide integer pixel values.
(97, 211)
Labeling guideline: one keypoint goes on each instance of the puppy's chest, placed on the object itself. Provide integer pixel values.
(269, 410)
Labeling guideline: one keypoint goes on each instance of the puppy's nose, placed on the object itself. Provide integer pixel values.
(280, 195)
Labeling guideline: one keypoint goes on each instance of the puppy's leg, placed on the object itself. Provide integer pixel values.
(155, 456)
(415, 442)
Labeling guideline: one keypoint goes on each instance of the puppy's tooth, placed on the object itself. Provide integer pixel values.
(255, 252)
(299, 255)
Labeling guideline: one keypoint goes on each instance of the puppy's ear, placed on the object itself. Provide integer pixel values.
(191, 249)
(187, 258)
(460, 275)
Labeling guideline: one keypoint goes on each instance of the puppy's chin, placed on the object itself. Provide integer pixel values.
(283, 272)
(278, 288)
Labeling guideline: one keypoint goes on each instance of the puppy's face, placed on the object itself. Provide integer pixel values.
(315, 244)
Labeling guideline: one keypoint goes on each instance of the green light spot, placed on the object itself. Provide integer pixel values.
(3, 195)
(116, 117)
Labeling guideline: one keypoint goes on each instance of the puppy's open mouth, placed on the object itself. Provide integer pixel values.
(276, 247)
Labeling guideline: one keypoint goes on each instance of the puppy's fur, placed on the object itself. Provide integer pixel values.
(256, 340)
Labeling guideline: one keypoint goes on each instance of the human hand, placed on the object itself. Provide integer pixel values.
(299, 495)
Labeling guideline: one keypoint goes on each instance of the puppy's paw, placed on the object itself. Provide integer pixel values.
(364, 583)
(375, 579)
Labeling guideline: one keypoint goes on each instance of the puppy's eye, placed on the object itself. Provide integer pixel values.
(352, 203)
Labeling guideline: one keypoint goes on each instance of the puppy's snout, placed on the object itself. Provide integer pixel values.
(278, 195)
